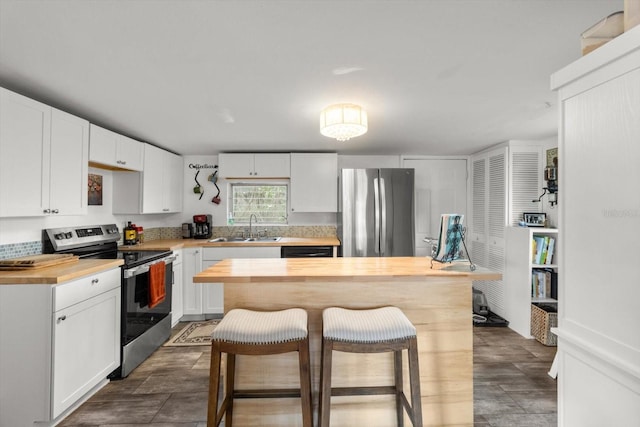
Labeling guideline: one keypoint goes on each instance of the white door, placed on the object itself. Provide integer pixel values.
(191, 292)
(86, 347)
(25, 137)
(440, 187)
(69, 164)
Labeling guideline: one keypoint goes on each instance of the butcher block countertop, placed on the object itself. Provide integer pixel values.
(296, 269)
(436, 301)
(58, 273)
(174, 244)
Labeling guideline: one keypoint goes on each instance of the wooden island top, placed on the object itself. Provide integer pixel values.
(357, 268)
(437, 301)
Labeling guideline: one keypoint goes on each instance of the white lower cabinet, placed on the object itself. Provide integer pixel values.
(177, 305)
(203, 300)
(191, 292)
(62, 352)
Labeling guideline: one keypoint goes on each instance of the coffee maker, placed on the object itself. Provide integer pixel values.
(202, 226)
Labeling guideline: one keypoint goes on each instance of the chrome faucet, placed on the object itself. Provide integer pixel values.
(251, 217)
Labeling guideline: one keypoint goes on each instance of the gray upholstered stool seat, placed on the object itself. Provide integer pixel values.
(255, 333)
(376, 330)
(366, 326)
(262, 327)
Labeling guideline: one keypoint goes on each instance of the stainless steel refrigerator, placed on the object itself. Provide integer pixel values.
(376, 212)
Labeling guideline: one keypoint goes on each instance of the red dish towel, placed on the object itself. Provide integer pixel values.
(157, 290)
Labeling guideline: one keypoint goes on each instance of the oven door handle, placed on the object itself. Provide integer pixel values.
(145, 267)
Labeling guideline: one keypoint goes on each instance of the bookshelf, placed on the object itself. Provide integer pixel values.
(521, 271)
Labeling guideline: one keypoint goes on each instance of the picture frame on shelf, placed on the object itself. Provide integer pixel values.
(534, 219)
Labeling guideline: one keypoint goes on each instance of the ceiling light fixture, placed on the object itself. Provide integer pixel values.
(343, 121)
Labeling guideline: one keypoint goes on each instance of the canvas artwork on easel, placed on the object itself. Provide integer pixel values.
(450, 238)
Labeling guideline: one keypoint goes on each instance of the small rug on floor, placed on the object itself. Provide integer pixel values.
(195, 333)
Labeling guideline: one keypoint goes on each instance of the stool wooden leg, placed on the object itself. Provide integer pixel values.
(214, 386)
(230, 392)
(399, 382)
(325, 384)
(414, 370)
(305, 383)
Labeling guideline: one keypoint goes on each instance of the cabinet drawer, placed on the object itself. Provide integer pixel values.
(216, 254)
(73, 292)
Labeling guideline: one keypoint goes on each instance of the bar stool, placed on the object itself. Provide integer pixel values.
(248, 332)
(377, 330)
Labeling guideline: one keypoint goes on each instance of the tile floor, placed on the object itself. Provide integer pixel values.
(511, 387)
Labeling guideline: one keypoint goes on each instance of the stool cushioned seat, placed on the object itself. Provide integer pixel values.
(261, 327)
(366, 326)
(375, 330)
(258, 333)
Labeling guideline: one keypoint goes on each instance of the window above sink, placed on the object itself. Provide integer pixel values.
(267, 201)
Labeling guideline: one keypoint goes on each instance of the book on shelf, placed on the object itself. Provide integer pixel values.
(542, 249)
(543, 283)
(552, 243)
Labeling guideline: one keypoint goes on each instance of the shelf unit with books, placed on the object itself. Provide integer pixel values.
(530, 275)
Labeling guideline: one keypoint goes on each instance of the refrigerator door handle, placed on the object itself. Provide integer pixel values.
(376, 214)
(383, 217)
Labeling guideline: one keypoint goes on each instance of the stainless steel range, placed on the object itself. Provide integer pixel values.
(143, 329)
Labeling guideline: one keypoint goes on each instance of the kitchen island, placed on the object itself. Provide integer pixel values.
(437, 301)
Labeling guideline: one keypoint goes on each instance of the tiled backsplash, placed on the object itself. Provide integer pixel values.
(14, 250)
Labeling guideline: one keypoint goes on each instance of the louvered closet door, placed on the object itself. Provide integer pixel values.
(489, 204)
(477, 222)
(526, 182)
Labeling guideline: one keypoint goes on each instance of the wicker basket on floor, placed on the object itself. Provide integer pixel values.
(543, 318)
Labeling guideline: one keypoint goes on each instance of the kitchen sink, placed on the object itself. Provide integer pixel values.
(246, 240)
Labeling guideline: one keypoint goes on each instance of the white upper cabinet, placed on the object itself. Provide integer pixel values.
(69, 164)
(161, 181)
(158, 189)
(254, 165)
(114, 151)
(43, 159)
(314, 182)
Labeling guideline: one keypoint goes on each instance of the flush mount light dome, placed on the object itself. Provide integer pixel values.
(343, 121)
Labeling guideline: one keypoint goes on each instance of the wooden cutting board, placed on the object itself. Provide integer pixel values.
(36, 261)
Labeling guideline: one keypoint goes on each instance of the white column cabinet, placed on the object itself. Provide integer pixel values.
(599, 222)
(314, 182)
(43, 159)
(254, 165)
(115, 151)
(74, 343)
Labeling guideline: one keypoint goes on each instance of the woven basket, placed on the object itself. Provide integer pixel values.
(543, 318)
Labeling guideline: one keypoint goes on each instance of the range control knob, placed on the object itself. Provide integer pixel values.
(68, 235)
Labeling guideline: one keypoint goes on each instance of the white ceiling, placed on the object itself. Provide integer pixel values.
(437, 77)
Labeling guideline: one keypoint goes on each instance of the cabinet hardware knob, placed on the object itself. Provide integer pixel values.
(124, 162)
(94, 281)
(46, 211)
(55, 211)
(61, 318)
